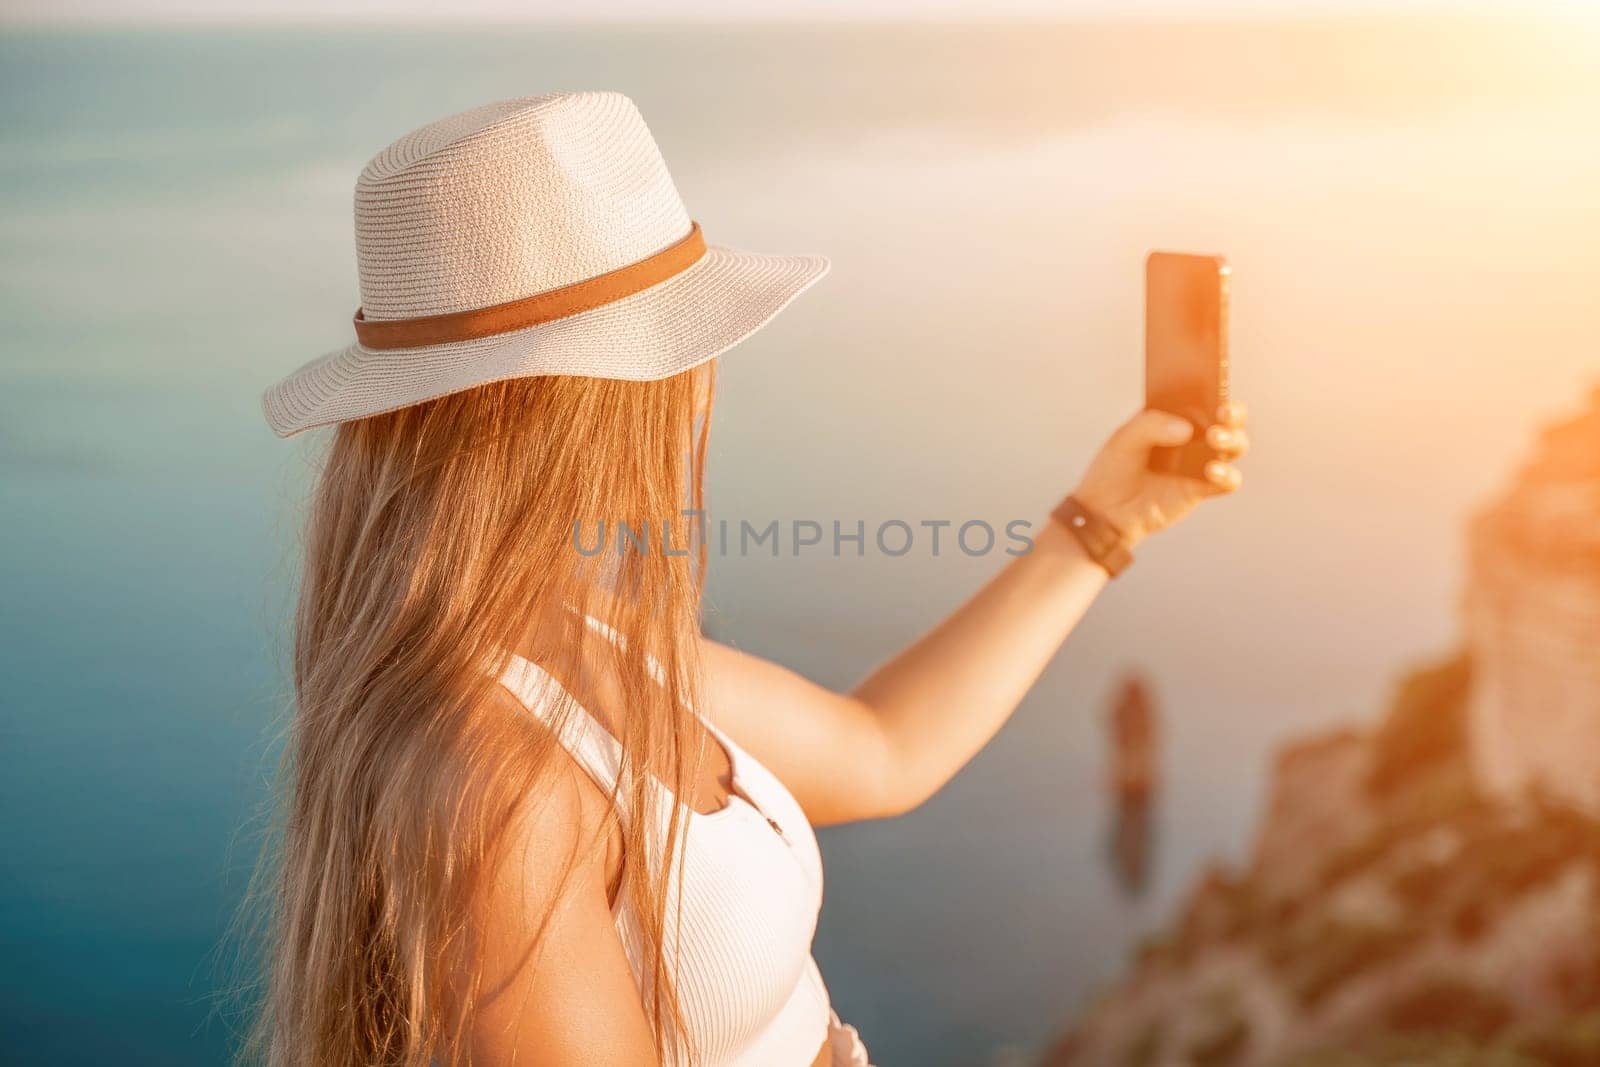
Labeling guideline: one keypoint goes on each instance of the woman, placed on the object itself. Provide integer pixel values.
(533, 816)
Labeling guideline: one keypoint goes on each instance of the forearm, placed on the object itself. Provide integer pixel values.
(942, 699)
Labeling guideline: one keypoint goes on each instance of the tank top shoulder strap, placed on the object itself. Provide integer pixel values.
(590, 744)
(581, 734)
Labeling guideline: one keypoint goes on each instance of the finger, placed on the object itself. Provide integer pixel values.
(1151, 429)
(1229, 441)
(1233, 414)
(1223, 477)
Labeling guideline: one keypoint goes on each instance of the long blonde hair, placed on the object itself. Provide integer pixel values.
(436, 533)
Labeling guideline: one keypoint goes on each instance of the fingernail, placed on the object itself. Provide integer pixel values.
(1178, 426)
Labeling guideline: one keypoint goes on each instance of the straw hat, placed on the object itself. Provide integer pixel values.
(533, 236)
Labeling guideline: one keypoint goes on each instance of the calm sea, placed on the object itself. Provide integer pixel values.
(1410, 210)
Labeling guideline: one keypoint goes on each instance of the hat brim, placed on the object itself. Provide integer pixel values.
(657, 332)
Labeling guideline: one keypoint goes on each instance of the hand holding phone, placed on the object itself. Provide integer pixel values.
(1190, 427)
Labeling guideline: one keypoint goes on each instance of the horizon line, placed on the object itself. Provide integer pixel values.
(12, 19)
(620, 13)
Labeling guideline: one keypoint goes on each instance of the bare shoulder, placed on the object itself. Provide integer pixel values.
(565, 822)
(553, 981)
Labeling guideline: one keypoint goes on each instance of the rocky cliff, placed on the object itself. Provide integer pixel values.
(1425, 890)
(1533, 623)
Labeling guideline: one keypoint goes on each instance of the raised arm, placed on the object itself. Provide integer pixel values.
(904, 732)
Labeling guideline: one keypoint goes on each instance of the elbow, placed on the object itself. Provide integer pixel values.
(895, 780)
(900, 792)
(896, 805)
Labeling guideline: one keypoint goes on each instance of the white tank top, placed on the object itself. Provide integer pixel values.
(749, 989)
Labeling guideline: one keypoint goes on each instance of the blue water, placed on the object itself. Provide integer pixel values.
(1410, 213)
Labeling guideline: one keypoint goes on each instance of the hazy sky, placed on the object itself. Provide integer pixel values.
(591, 10)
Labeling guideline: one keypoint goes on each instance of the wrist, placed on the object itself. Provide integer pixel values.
(1101, 540)
(1067, 556)
(1124, 518)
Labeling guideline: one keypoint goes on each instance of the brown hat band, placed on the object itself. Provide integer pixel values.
(542, 307)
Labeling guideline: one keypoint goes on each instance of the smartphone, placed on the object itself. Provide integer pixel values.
(1186, 350)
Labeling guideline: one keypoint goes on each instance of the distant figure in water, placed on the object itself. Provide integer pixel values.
(1133, 782)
